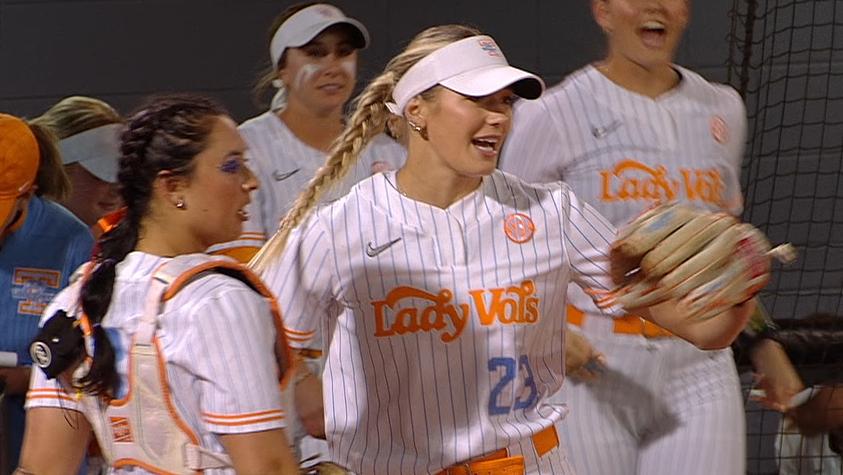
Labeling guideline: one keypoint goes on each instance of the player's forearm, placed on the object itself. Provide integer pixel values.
(710, 334)
(54, 441)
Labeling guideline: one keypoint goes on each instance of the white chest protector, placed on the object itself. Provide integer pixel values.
(145, 429)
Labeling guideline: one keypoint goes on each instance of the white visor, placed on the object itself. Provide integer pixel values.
(304, 25)
(474, 66)
(97, 150)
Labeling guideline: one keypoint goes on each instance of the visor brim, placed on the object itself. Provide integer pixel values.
(359, 34)
(486, 81)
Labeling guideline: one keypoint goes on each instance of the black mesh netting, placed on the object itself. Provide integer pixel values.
(786, 59)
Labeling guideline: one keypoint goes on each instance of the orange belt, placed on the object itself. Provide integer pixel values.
(500, 462)
(626, 325)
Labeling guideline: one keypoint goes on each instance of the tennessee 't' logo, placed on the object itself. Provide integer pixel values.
(633, 180)
(507, 306)
(519, 228)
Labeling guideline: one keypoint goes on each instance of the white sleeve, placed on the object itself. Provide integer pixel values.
(534, 149)
(588, 237)
(304, 280)
(45, 392)
(735, 147)
(239, 390)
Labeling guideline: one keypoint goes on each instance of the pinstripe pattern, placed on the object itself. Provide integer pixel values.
(664, 407)
(217, 338)
(284, 165)
(410, 402)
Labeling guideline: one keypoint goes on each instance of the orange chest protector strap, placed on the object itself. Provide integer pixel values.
(145, 428)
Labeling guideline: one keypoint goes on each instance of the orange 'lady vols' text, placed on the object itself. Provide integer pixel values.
(510, 305)
(632, 180)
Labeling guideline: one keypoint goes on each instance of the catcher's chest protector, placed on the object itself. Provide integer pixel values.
(144, 428)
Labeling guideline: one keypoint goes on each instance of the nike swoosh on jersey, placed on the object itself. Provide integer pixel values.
(373, 251)
(283, 176)
(600, 132)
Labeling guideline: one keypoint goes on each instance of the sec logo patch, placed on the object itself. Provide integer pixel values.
(519, 228)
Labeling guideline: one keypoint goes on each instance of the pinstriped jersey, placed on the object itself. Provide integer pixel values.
(217, 337)
(445, 324)
(284, 165)
(621, 151)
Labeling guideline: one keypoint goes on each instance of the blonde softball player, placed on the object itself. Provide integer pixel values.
(442, 286)
(626, 132)
(210, 399)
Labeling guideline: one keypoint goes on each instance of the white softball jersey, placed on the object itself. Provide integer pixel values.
(284, 165)
(446, 325)
(217, 337)
(621, 152)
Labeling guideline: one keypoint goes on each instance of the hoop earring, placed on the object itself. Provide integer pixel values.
(422, 131)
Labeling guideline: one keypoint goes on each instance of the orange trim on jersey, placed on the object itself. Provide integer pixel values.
(49, 394)
(244, 422)
(296, 339)
(243, 415)
(289, 331)
(625, 325)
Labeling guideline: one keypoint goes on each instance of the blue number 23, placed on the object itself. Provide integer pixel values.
(510, 372)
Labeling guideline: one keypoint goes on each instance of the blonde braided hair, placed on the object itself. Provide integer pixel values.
(367, 121)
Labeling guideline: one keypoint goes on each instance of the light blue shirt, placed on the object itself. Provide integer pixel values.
(35, 263)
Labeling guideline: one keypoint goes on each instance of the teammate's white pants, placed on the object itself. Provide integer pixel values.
(555, 462)
(663, 407)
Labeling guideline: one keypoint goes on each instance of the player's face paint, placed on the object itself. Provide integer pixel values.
(218, 189)
(645, 32)
(90, 198)
(466, 133)
(321, 74)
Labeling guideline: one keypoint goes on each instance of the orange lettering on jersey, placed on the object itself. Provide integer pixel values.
(508, 306)
(34, 288)
(121, 430)
(519, 306)
(632, 180)
(440, 315)
(703, 185)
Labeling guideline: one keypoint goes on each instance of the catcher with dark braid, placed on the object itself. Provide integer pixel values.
(184, 181)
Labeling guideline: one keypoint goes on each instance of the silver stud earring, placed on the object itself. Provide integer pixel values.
(180, 204)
